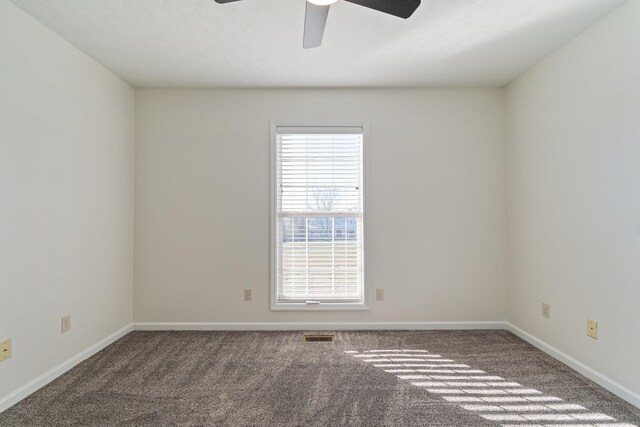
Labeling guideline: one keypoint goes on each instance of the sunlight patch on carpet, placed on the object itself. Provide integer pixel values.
(491, 397)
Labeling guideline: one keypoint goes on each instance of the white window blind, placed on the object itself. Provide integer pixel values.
(319, 204)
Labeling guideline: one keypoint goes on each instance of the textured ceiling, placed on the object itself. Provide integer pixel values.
(258, 43)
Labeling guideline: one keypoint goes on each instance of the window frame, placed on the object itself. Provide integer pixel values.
(299, 306)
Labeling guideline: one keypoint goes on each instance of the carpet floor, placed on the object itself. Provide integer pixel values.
(364, 378)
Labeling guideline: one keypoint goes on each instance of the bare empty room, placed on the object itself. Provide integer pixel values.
(320, 213)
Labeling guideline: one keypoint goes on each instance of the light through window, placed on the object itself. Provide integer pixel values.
(318, 228)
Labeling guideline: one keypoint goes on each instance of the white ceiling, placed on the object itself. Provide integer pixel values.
(258, 43)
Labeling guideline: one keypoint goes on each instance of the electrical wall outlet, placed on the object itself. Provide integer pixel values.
(592, 329)
(247, 294)
(380, 294)
(65, 325)
(5, 350)
(546, 310)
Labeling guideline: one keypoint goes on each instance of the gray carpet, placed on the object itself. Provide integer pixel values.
(467, 378)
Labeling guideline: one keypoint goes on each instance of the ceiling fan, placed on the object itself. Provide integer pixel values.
(317, 11)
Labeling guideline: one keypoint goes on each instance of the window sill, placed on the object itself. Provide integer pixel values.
(283, 306)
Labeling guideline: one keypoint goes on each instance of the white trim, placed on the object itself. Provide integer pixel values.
(325, 306)
(320, 129)
(273, 250)
(595, 376)
(32, 386)
(312, 326)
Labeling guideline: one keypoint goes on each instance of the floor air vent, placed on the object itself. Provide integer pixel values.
(318, 338)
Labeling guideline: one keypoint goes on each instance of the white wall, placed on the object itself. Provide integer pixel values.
(66, 198)
(574, 197)
(435, 235)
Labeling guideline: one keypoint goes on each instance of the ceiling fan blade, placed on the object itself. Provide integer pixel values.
(315, 19)
(225, 1)
(399, 8)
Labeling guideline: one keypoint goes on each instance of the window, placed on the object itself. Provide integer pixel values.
(318, 217)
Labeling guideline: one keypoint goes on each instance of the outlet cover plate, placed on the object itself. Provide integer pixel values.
(5, 350)
(379, 294)
(546, 310)
(247, 295)
(65, 324)
(592, 329)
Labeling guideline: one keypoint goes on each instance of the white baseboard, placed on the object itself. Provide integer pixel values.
(312, 326)
(44, 379)
(595, 376)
